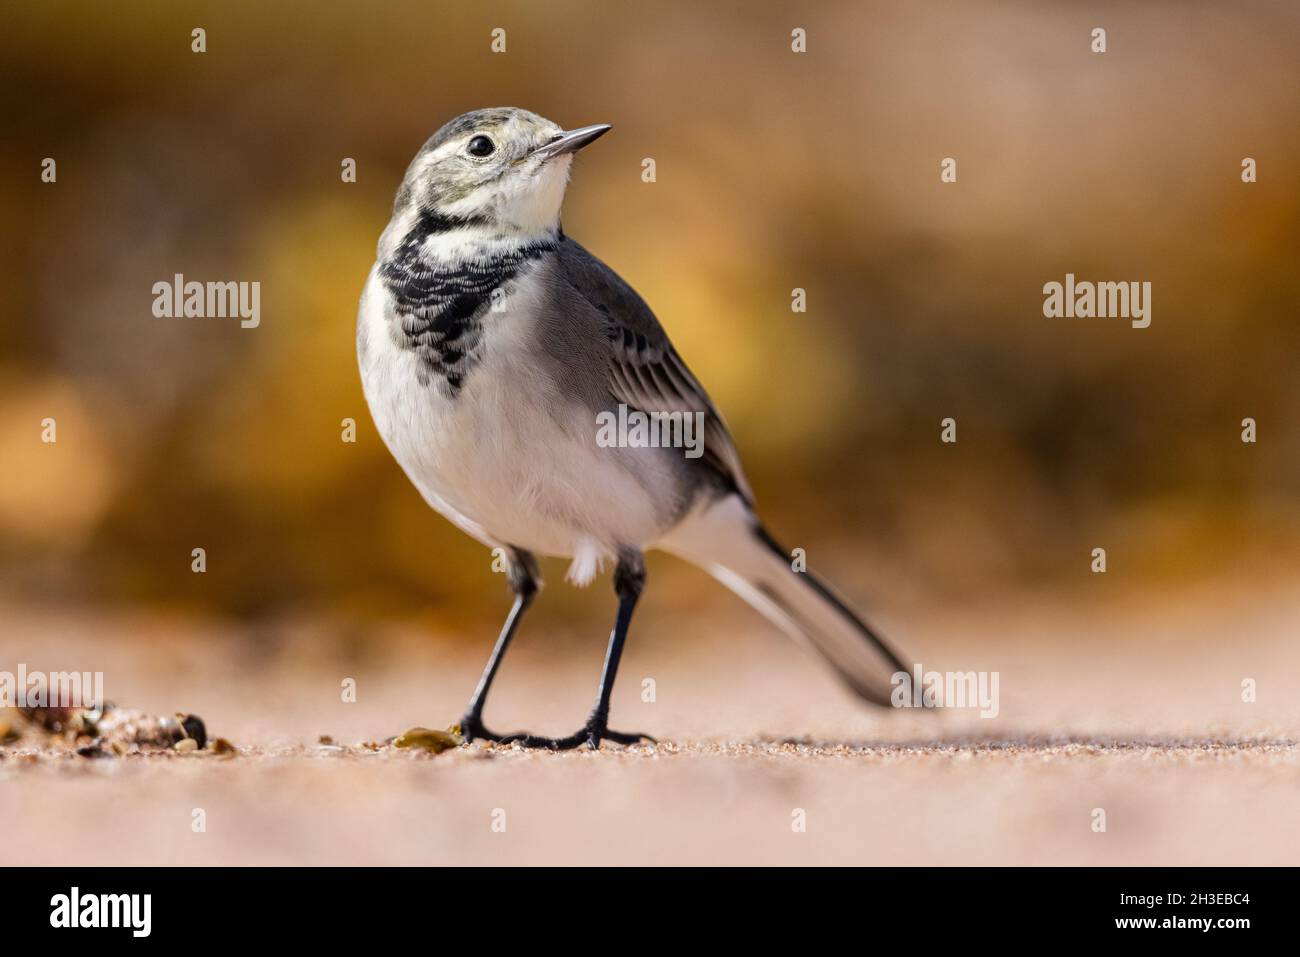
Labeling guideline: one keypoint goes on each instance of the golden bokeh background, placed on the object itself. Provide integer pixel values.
(775, 170)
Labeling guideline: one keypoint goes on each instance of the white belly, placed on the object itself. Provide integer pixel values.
(508, 459)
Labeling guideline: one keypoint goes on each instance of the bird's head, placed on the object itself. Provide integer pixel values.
(504, 168)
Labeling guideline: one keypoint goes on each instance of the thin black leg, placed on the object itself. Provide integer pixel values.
(629, 579)
(524, 582)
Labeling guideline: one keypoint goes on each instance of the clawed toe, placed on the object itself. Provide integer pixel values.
(526, 740)
(624, 737)
(472, 728)
(591, 734)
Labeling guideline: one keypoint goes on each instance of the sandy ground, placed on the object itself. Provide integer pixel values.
(1130, 707)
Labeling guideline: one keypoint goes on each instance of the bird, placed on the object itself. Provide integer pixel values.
(490, 345)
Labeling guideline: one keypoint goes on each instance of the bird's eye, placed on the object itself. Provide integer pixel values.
(481, 146)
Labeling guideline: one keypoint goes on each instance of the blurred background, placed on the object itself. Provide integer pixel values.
(775, 170)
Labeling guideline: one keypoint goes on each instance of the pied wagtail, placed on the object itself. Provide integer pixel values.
(489, 342)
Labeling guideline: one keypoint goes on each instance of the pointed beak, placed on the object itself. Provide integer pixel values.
(571, 142)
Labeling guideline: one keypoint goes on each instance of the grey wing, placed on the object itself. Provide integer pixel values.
(644, 370)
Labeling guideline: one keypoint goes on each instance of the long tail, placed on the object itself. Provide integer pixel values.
(727, 540)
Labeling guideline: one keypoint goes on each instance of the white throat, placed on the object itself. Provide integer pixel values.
(526, 202)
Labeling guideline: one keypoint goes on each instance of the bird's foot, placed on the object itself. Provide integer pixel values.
(472, 727)
(592, 734)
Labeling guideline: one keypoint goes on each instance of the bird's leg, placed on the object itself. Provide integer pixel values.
(629, 579)
(524, 582)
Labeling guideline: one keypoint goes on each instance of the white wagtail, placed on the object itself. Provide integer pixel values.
(489, 344)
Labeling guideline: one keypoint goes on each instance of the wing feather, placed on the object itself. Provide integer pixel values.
(644, 371)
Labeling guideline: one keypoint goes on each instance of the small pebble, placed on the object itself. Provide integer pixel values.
(427, 739)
